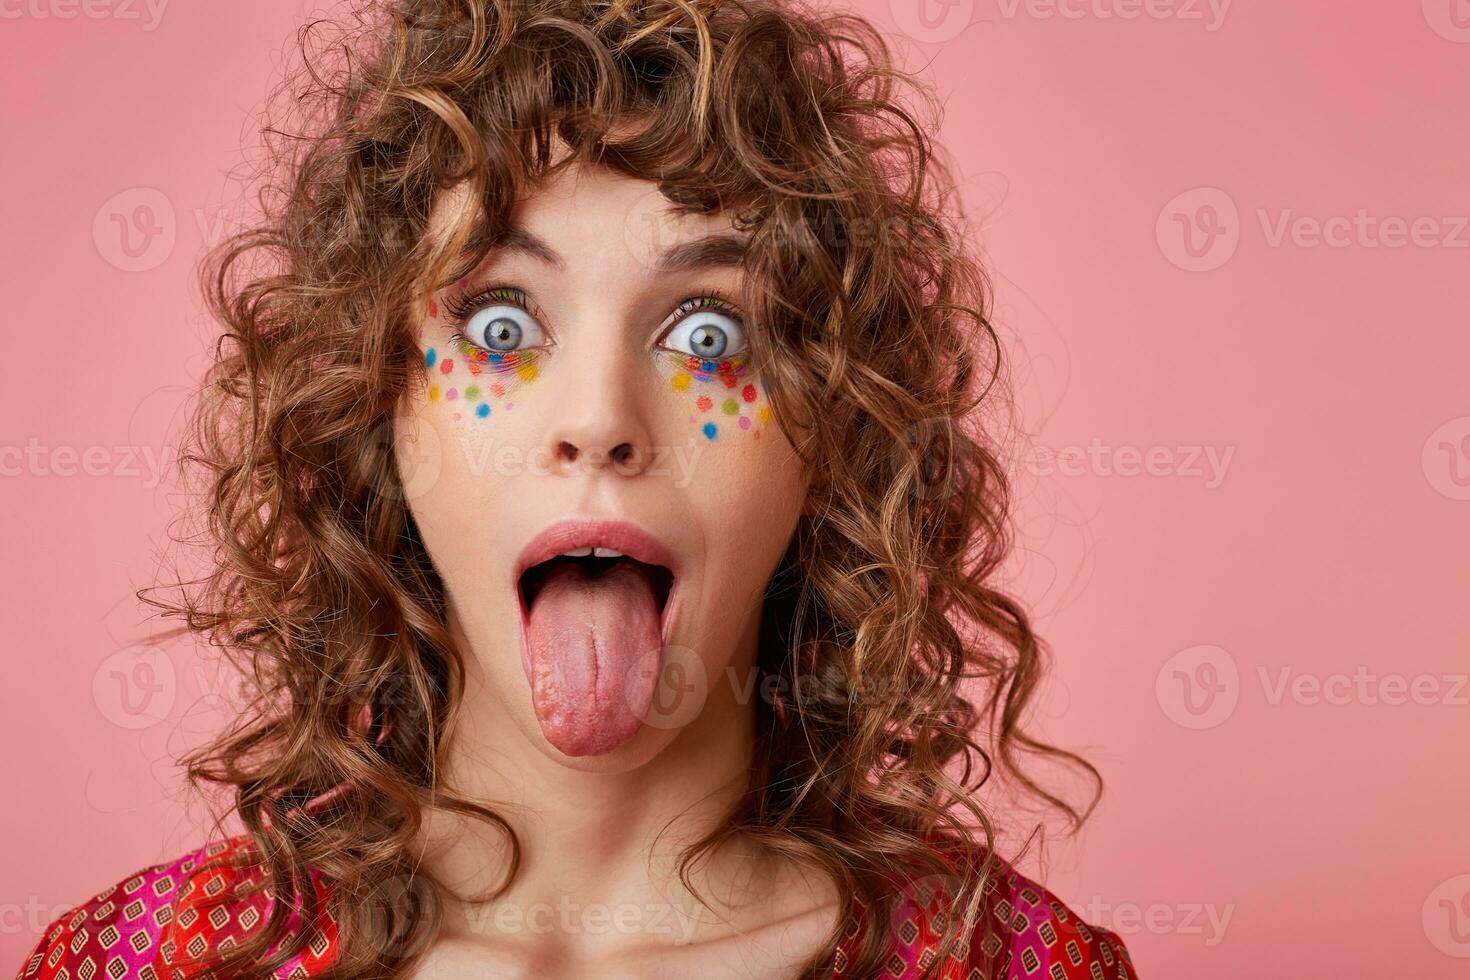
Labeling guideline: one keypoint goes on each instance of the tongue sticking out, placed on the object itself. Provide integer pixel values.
(592, 658)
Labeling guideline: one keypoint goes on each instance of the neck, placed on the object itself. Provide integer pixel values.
(594, 838)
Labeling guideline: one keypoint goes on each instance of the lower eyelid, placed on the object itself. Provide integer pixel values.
(703, 369)
(493, 360)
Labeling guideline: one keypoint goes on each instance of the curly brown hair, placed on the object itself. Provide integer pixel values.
(906, 669)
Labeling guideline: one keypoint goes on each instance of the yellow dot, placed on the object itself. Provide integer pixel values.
(680, 382)
(764, 414)
(433, 393)
(526, 372)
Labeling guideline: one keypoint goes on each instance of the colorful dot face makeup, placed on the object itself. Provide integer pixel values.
(729, 397)
(496, 342)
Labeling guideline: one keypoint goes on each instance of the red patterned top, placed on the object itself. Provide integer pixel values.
(152, 924)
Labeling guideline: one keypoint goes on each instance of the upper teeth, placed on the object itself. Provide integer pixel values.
(599, 552)
(606, 553)
(578, 553)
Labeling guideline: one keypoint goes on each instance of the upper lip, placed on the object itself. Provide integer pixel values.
(569, 535)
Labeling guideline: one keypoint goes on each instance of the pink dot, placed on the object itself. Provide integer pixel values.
(744, 420)
(509, 406)
(451, 394)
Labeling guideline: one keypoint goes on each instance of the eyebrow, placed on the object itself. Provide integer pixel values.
(712, 251)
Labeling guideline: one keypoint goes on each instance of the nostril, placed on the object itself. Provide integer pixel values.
(622, 453)
(567, 451)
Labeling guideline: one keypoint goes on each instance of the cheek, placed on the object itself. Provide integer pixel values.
(469, 384)
(449, 482)
(743, 477)
(723, 400)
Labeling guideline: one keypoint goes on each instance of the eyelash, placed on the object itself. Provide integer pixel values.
(461, 306)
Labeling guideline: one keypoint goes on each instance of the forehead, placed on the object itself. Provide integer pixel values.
(587, 214)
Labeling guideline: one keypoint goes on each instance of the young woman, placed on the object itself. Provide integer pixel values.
(600, 503)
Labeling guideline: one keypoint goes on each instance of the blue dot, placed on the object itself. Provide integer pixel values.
(708, 365)
(710, 430)
(431, 357)
(482, 410)
(494, 358)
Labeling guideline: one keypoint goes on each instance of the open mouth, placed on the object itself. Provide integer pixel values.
(592, 564)
(596, 600)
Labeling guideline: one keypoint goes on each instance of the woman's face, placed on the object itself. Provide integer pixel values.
(593, 465)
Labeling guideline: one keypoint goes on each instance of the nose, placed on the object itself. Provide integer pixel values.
(596, 420)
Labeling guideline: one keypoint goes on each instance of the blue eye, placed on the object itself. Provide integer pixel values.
(708, 331)
(503, 328)
(498, 320)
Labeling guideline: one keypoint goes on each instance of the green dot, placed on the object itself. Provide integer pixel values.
(472, 392)
(731, 407)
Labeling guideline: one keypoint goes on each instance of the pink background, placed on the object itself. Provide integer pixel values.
(1324, 827)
